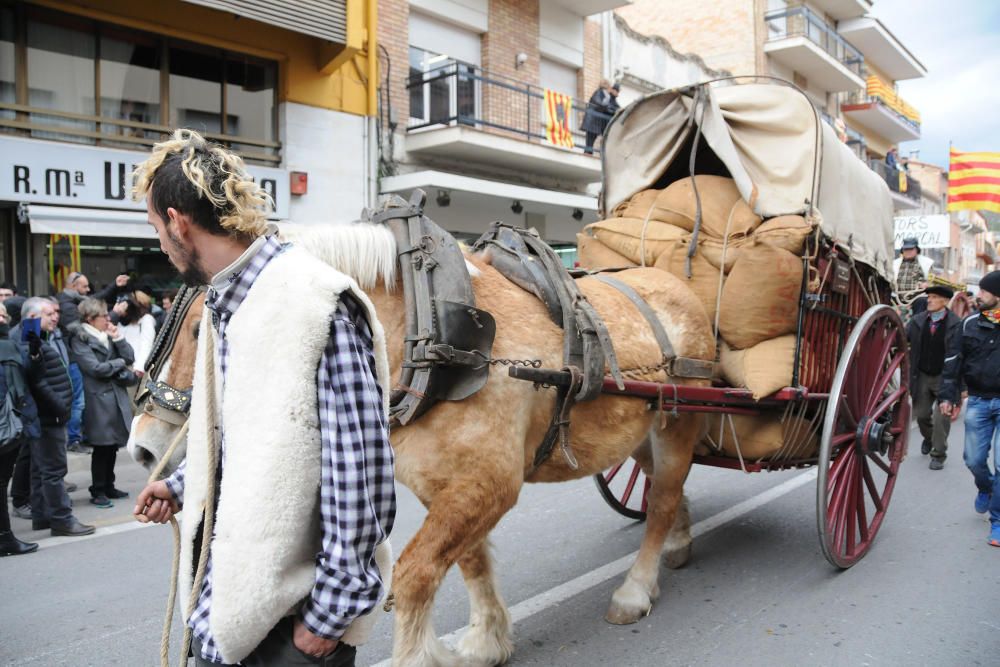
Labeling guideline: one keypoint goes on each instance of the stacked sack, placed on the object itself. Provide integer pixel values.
(746, 272)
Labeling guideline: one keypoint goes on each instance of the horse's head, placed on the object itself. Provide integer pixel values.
(160, 420)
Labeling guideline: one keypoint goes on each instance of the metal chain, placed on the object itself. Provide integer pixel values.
(533, 363)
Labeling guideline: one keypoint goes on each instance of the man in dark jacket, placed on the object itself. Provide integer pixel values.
(975, 362)
(49, 381)
(930, 334)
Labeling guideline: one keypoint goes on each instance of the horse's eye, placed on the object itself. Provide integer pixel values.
(195, 328)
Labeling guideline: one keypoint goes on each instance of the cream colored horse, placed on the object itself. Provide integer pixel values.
(466, 461)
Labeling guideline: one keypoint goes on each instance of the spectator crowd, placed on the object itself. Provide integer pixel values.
(71, 364)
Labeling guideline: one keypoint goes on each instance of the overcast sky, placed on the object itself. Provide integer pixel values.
(958, 41)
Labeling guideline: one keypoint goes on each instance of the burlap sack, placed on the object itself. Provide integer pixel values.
(723, 210)
(592, 254)
(704, 280)
(625, 236)
(788, 232)
(763, 369)
(760, 436)
(723, 254)
(760, 299)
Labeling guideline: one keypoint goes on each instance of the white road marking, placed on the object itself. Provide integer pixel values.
(555, 596)
(102, 531)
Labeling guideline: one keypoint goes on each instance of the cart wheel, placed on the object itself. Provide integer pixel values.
(864, 436)
(624, 488)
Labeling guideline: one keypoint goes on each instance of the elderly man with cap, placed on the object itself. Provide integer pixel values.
(932, 333)
(911, 269)
(975, 363)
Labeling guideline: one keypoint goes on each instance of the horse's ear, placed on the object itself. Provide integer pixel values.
(195, 328)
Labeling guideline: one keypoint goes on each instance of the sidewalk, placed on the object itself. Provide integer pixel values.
(131, 477)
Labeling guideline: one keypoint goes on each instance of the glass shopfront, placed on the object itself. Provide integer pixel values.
(96, 96)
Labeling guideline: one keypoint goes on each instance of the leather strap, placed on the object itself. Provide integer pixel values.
(678, 366)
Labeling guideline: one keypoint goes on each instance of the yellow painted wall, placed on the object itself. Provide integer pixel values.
(300, 57)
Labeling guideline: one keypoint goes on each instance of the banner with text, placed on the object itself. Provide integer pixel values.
(931, 231)
(45, 172)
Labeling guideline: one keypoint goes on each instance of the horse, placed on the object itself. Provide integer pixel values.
(466, 461)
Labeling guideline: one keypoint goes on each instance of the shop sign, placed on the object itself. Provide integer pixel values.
(44, 172)
(932, 231)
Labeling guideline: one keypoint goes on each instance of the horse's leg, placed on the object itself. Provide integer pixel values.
(488, 640)
(677, 551)
(460, 516)
(672, 449)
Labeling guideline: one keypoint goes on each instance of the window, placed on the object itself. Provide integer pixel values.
(442, 85)
(91, 82)
(61, 57)
(8, 94)
(130, 82)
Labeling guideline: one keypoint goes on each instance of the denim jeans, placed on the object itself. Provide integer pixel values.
(74, 427)
(982, 430)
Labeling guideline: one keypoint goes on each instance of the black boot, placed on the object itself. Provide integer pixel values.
(11, 546)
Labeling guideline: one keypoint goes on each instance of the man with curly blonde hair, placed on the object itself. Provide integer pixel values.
(288, 477)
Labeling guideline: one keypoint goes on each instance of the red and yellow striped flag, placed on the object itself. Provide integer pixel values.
(558, 110)
(974, 182)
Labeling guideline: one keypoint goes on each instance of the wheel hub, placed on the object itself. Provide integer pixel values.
(873, 436)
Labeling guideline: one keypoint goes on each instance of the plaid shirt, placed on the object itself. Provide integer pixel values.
(357, 496)
(910, 276)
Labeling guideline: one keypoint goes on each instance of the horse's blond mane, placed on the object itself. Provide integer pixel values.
(366, 252)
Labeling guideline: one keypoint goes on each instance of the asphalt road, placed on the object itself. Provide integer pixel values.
(756, 592)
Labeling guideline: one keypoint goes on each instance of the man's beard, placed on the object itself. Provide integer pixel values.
(192, 275)
(987, 305)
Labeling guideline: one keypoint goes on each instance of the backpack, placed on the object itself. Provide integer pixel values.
(11, 426)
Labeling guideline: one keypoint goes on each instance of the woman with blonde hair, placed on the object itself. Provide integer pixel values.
(104, 356)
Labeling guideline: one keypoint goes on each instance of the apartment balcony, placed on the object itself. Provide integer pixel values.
(904, 189)
(843, 9)
(589, 7)
(884, 112)
(799, 39)
(881, 48)
(463, 114)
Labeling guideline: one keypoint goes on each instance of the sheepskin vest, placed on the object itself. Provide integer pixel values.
(267, 521)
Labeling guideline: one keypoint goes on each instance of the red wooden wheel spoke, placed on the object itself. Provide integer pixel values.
(888, 402)
(610, 475)
(880, 463)
(631, 483)
(852, 422)
(883, 382)
(838, 467)
(862, 513)
(838, 506)
(839, 440)
(870, 483)
(872, 367)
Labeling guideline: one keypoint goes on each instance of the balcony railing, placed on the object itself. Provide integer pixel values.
(41, 123)
(803, 22)
(897, 180)
(457, 93)
(880, 92)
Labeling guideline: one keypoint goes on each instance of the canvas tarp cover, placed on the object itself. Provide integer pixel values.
(766, 136)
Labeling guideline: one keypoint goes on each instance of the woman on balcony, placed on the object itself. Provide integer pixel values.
(600, 109)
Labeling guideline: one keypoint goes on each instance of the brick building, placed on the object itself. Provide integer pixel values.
(462, 110)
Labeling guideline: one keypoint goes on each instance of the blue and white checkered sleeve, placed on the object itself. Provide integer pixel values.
(357, 495)
(175, 483)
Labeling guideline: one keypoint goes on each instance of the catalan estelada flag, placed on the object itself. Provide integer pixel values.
(974, 182)
(558, 108)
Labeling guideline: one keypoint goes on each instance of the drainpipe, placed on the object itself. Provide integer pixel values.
(373, 127)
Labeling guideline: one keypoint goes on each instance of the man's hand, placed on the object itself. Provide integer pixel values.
(956, 410)
(121, 308)
(309, 643)
(122, 280)
(945, 407)
(155, 504)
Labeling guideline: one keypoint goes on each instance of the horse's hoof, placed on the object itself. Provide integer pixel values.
(629, 604)
(677, 558)
(482, 648)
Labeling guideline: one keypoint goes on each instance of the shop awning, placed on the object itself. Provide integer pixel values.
(86, 221)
